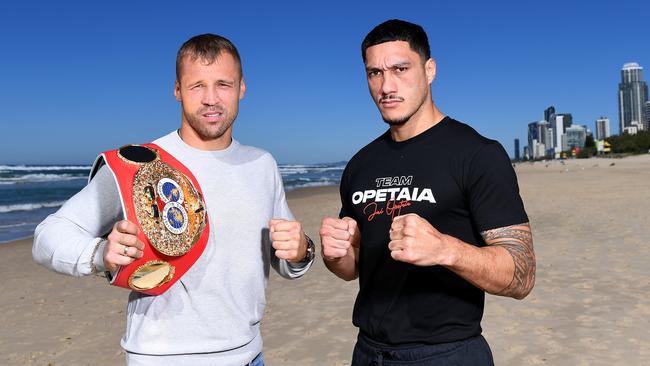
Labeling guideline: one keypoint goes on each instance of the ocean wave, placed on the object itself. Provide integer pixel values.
(284, 170)
(323, 165)
(16, 225)
(284, 173)
(39, 178)
(311, 184)
(29, 206)
(42, 167)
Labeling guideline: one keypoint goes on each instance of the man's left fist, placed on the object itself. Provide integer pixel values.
(413, 240)
(288, 239)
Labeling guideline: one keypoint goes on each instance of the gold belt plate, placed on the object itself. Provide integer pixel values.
(172, 219)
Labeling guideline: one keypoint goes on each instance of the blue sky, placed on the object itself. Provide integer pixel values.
(80, 78)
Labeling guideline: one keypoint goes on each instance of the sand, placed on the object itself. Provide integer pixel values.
(590, 306)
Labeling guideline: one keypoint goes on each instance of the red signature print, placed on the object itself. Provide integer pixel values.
(393, 208)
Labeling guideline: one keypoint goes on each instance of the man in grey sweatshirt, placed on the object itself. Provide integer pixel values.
(211, 316)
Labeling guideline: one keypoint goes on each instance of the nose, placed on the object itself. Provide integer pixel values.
(211, 97)
(388, 84)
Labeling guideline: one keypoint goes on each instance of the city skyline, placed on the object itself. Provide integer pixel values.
(557, 133)
(81, 78)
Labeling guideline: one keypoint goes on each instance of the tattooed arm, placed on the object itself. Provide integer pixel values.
(506, 266)
(517, 240)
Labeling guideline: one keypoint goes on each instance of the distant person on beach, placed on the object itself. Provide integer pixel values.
(210, 316)
(431, 219)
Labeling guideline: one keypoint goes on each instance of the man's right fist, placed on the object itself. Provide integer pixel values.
(337, 236)
(123, 246)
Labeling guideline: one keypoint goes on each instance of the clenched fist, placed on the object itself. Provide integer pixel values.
(288, 239)
(123, 246)
(413, 240)
(338, 236)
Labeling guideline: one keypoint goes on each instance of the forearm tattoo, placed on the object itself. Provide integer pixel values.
(518, 241)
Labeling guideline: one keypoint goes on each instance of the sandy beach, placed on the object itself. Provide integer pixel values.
(590, 306)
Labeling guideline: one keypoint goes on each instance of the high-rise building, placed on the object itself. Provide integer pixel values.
(516, 149)
(602, 128)
(576, 136)
(533, 137)
(646, 112)
(567, 120)
(538, 136)
(559, 123)
(632, 95)
(548, 112)
(545, 134)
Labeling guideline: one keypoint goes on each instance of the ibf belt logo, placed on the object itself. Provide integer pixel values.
(174, 215)
(392, 194)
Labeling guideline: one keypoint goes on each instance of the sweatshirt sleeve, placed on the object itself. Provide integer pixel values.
(281, 209)
(66, 240)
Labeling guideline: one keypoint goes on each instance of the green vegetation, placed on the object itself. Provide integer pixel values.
(589, 150)
(632, 144)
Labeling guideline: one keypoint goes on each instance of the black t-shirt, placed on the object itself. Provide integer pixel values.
(459, 181)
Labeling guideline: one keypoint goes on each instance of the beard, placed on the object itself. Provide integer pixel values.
(400, 121)
(209, 131)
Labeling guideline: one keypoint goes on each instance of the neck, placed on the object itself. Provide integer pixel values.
(192, 138)
(426, 117)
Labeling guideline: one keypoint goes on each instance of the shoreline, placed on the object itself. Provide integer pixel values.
(28, 237)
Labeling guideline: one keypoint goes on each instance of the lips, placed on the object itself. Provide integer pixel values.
(212, 115)
(389, 102)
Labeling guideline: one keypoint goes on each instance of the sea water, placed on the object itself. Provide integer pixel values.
(29, 193)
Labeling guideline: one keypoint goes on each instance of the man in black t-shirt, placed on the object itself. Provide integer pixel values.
(431, 219)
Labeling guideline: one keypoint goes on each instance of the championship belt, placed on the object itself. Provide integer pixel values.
(162, 197)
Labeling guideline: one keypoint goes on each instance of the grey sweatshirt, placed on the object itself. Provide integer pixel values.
(215, 309)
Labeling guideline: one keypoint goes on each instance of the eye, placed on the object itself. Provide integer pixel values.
(196, 86)
(400, 70)
(224, 85)
(373, 73)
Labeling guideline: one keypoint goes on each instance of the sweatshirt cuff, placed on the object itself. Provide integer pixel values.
(294, 270)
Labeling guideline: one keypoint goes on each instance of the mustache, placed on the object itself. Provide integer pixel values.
(211, 109)
(391, 97)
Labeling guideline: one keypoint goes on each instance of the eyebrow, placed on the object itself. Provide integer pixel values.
(219, 81)
(400, 64)
(393, 66)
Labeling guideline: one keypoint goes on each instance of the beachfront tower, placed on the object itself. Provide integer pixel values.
(539, 139)
(517, 149)
(632, 95)
(548, 112)
(559, 123)
(646, 112)
(602, 128)
(576, 136)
